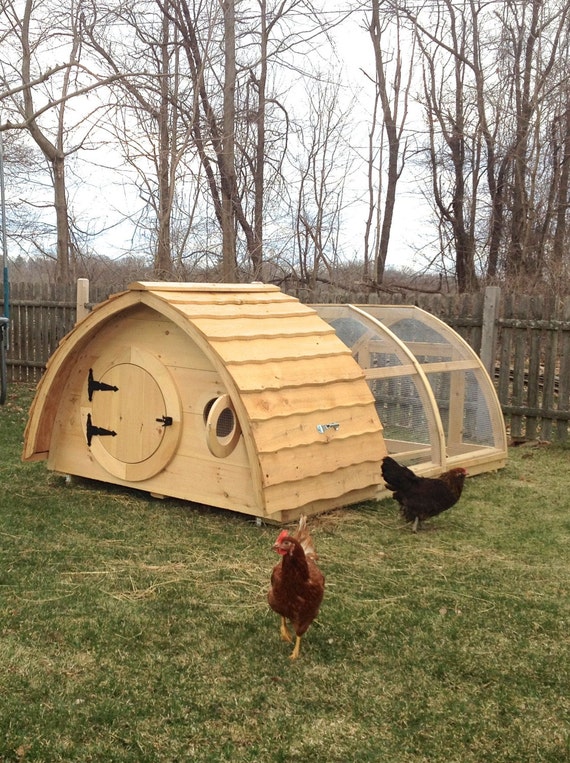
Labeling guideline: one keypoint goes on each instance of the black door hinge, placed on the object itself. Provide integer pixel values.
(93, 431)
(97, 386)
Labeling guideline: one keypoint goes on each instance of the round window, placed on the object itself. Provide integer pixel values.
(222, 428)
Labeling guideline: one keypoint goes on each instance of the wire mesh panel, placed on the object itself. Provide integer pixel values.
(468, 406)
(410, 420)
(432, 394)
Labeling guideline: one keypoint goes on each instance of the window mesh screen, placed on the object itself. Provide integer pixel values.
(401, 409)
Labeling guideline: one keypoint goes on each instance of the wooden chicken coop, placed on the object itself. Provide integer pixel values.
(236, 396)
(435, 399)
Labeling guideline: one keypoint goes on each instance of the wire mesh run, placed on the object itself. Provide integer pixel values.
(436, 402)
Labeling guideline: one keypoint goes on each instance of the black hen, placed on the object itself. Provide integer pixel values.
(422, 497)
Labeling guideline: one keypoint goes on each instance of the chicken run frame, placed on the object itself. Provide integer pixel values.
(437, 404)
(241, 397)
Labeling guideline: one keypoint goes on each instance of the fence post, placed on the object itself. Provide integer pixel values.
(489, 329)
(82, 299)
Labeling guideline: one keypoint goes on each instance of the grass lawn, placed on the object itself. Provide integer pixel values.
(133, 629)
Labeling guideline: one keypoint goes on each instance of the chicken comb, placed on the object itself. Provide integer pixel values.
(281, 537)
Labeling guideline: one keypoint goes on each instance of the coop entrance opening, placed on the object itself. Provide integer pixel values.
(133, 418)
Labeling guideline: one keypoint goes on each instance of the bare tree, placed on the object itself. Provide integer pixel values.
(39, 100)
(152, 123)
(454, 136)
(227, 145)
(506, 64)
(322, 166)
(393, 97)
(534, 32)
(52, 147)
(561, 189)
(237, 168)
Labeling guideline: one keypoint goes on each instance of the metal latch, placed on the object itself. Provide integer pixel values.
(322, 428)
(165, 420)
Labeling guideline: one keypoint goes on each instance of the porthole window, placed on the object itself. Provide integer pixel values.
(222, 427)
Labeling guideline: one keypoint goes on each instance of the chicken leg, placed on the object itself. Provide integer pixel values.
(284, 631)
(295, 653)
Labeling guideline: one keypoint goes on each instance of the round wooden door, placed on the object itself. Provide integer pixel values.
(133, 421)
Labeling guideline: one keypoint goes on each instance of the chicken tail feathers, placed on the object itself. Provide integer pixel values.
(305, 539)
(396, 476)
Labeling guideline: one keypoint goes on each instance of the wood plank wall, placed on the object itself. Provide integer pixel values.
(531, 353)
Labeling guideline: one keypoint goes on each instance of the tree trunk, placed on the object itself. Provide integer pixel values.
(163, 256)
(63, 272)
(256, 253)
(227, 168)
(51, 152)
(562, 195)
(393, 134)
(521, 256)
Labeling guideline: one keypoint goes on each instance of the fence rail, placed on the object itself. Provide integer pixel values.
(523, 341)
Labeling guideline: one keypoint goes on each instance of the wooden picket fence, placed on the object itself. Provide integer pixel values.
(40, 316)
(523, 341)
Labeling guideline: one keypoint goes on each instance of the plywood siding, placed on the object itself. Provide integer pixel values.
(226, 485)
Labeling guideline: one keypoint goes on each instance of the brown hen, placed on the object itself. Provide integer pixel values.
(297, 584)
